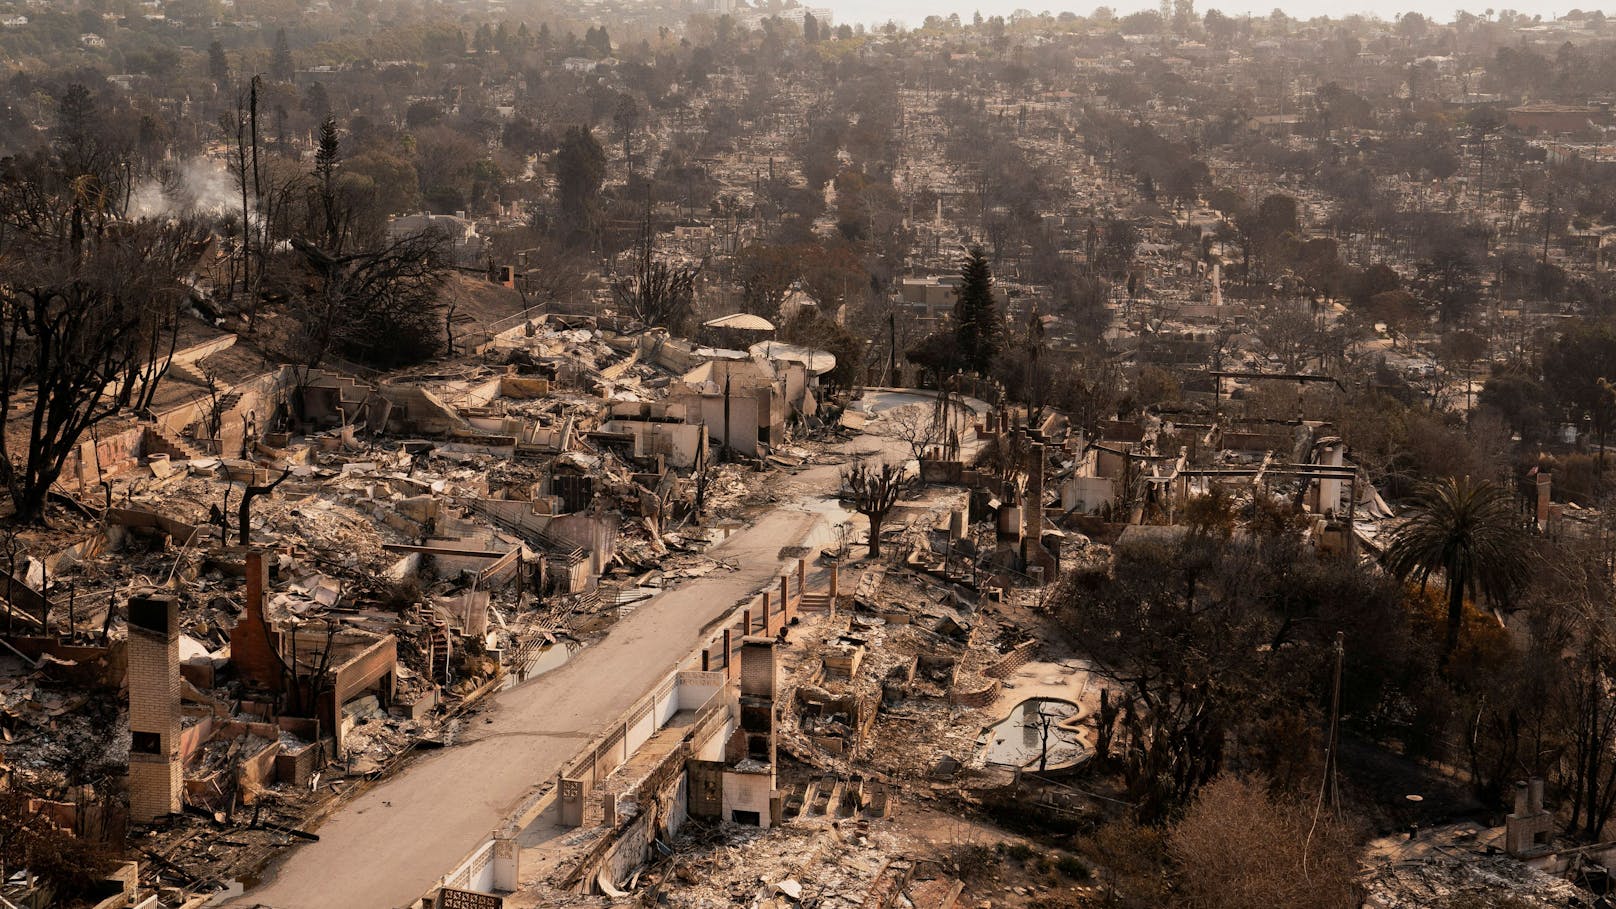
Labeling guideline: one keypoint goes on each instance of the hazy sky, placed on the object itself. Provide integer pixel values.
(913, 12)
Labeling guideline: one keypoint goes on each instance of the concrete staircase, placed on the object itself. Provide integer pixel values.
(227, 415)
(351, 392)
(159, 441)
(531, 532)
(437, 642)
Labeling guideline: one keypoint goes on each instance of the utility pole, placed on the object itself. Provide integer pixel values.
(726, 410)
(1332, 763)
(1035, 346)
(1548, 216)
(252, 116)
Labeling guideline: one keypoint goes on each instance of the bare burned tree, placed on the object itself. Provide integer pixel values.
(1006, 456)
(378, 306)
(244, 510)
(915, 426)
(1564, 689)
(1047, 723)
(219, 516)
(548, 271)
(874, 489)
(258, 207)
(376, 303)
(159, 337)
(213, 423)
(558, 279)
(703, 473)
(237, 127)
(321, 678)
(70, 866)
(656, 292)
(80, 299)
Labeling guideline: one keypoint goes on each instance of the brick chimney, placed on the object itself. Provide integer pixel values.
(1037, 561)
(759, 666)
(1032, 510)
(155, 774)
(744, 792)
(254, 646)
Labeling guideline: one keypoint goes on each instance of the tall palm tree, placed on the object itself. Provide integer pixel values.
(1469, 533)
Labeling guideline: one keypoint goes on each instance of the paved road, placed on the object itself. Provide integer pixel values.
(387, 846)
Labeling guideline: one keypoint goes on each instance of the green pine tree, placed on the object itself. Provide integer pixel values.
(281, 67)
(326, 156)
(977, 327)
(580, 165)
(218, 64)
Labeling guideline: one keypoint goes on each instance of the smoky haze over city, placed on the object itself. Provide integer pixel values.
(510, 454)
(913, 12)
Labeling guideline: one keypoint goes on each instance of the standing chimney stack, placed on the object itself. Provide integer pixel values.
(1032, 510)
(155, 774)
(1530, 829)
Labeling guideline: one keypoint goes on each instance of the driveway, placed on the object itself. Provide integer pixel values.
(388, 845)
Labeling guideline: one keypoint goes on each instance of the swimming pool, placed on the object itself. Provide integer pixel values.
(1019, 740)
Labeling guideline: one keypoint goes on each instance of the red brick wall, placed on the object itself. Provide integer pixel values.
(253, 646)
(1012, 661)
(980, 698)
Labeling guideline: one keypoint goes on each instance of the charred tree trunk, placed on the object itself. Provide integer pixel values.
(874, 491)
(244, 511)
